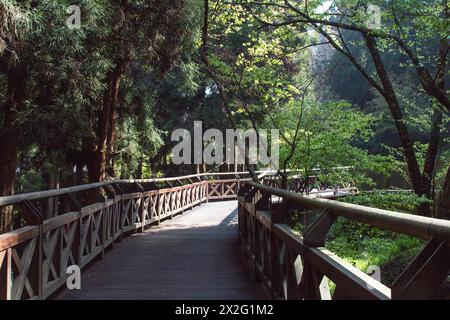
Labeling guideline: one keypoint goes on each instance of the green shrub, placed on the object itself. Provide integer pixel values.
(363, 245)
(402, 201)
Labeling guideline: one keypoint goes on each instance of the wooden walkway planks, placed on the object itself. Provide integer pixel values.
(193, 256)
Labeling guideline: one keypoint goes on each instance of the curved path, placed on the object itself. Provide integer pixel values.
(193, 256)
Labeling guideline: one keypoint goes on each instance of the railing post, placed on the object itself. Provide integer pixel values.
(142, 212)
(222, 189)
(424, 276)
(5, 274)
(192, 189)
(171, 202)
(158, 206)
(117, 213)
(76, 246)
(261, 204)
(278, 215)
(102, 231)
(250, 208)
(275, 277)
(242, 213)
(182, 191)
(315, 236)
(34, 217)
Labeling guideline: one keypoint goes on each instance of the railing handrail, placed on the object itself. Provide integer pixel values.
(17, 198)
(14, 199)
(415, 225)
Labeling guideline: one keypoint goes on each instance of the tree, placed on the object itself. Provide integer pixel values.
(401, 33)
(31, 45)
(152, 31)
(251, 69)
(329, 137)
(69, 81)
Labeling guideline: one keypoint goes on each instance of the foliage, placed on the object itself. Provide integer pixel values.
(261, 74)
(67, 79)
(270, 84)
(363, 245)
(257, 66)
(137, 142)
(373, 251)
(394, 200)
(330, 136)
(403, 57)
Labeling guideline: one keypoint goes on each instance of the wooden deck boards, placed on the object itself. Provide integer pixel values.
(193, 256)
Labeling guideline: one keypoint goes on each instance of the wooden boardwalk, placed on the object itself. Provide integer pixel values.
(193, 256)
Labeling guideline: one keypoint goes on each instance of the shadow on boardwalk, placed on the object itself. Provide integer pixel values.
(193, 256)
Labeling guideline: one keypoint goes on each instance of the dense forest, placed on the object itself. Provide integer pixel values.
(347, 86)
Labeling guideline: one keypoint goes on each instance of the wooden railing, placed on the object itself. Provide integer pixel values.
(64, 227)
(74, 229)
(293, 266)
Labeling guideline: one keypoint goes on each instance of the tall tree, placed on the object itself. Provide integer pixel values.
(152, 31)
(68, 81)
(401, 33)
(30, 43)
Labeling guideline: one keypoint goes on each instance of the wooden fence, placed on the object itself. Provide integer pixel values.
(63, 227)
(34, 258)
(291, 266)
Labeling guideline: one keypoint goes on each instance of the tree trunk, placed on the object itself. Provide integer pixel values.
(139, 169)
(51, 182)
(15, 98)
(431, 157)
(391, 100)
(112, 123)
(98, 157)
(443, 210)
(417, 180)
(444, 203)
